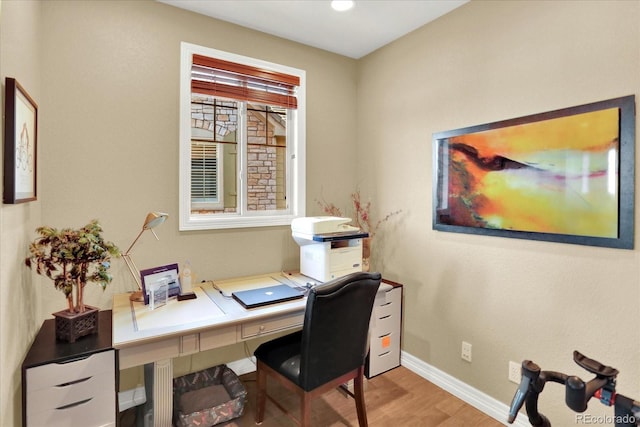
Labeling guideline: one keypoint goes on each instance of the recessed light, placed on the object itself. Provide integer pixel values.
(341, 5)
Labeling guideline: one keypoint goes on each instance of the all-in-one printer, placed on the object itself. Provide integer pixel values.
(329, 247)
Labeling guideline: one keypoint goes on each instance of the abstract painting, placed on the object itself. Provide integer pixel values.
(565, 176)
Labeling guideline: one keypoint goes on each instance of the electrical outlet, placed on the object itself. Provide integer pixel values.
(466, 351)
(515, 374)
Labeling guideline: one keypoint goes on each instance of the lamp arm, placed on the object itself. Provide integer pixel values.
(133, 269)
(132, 266)
(134, 242)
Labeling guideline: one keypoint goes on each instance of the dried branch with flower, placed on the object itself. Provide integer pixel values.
(361, 215)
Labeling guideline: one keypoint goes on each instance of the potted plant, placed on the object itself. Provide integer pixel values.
(72, 258)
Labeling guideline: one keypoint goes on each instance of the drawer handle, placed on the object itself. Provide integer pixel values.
(81, 380)
(75, 359)
(385, 317)
(71, 405)
(384, 354)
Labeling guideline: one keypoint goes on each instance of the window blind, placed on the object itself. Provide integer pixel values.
(204, 172)
(227, 79)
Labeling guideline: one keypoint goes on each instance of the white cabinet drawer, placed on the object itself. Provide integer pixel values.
(99, 411)
(385, 325)
(80, 391)
(254, 329)
(67, 394)
(385, 343)
(55, 374)
(388, 305)
(384, 361)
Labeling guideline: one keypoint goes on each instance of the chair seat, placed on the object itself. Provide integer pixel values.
(283, 355)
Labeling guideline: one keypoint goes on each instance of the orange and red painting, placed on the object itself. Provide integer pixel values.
(558, 176)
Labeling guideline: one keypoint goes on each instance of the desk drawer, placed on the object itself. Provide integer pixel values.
(56, 374)
(268, 326)
(149, 353)
(218, 338)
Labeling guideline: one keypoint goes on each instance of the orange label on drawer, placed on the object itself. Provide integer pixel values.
(386, 341)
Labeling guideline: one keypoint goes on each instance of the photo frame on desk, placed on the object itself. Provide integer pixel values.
(151, 276)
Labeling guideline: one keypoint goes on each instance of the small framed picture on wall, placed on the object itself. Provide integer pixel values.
(20, 144)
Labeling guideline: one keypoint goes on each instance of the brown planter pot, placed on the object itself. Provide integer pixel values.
(71, 326)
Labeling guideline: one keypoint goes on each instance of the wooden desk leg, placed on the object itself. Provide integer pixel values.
(162, 393)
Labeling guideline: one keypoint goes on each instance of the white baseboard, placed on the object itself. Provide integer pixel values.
(130, 398)
(481, 401)
(243, 366)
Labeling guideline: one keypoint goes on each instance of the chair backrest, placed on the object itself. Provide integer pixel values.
(336, 326)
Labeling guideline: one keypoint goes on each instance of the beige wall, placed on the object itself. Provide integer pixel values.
(20, 302)
(512, 299)
(105, 75)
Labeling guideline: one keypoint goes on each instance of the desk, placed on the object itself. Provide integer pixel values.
(186, 327)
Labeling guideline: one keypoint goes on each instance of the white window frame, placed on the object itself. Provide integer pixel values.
(296, 153)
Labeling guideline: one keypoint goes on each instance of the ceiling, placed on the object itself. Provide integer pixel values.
(369, 25)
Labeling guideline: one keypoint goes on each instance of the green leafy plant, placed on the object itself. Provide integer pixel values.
(72, 258)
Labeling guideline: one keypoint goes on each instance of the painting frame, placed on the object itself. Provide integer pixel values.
(20, 145)
(446, 170)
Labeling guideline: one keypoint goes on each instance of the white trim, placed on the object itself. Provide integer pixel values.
(474, 397)
(297, 153)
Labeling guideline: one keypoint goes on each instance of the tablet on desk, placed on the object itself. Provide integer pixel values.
(253, 298)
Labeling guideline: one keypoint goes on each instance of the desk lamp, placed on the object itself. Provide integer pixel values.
(153, 220)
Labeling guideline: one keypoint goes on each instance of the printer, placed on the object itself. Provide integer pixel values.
(329, 246)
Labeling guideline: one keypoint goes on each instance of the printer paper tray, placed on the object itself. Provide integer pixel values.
(341, 235)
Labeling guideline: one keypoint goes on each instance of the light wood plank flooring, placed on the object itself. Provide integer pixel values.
(398, 398)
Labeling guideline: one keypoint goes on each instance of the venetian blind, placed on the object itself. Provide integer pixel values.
(204, 172)
(227, 79)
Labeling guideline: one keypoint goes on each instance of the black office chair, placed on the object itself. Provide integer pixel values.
(330, 349)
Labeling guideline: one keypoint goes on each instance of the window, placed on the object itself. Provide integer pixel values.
(242, 141)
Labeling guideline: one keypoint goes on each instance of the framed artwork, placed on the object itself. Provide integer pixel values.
(561, 176)
(166, 276)
(20, 144)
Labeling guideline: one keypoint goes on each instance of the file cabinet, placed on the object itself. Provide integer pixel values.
(65, 384)
(385, 330)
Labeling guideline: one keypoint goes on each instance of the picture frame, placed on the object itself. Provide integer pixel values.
(166, 273)
(20, 144)
(565, 176)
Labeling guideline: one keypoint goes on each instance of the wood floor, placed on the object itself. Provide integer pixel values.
(398, 398)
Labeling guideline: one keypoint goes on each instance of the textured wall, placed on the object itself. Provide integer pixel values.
(20, 301)
(512, 299)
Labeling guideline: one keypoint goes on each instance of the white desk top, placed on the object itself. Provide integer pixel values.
(135, 324)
